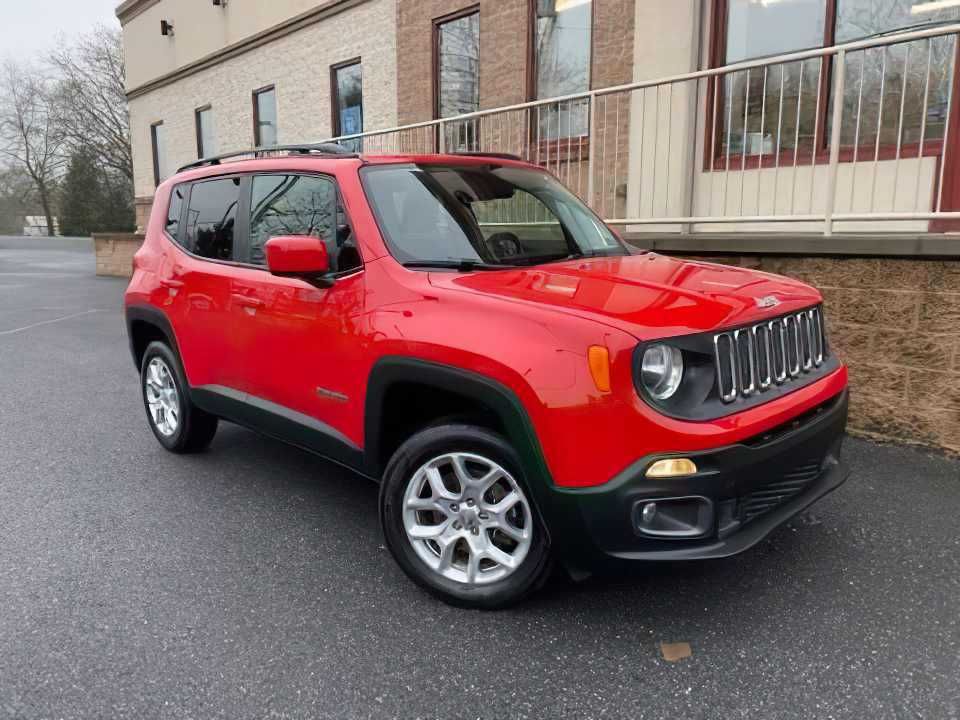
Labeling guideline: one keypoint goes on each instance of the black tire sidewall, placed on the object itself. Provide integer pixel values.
(420, 448)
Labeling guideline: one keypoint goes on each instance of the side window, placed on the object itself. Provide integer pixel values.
(212, 218)
(174, 212)
(300, 205)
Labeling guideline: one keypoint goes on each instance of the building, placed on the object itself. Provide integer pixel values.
(817, 138)
(206, 77)
(36, 226)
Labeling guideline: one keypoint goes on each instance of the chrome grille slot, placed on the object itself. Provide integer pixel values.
(750, 360)
(724, 351)
(746, 361)
(761, 340)
(793, 345)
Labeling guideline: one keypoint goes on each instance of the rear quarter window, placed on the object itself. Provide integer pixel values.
(175, 212)
(212, 218)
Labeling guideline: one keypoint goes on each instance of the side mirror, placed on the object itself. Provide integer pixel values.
(297, 256)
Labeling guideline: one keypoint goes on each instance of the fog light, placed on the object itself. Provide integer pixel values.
(672, 467)
(648, 513)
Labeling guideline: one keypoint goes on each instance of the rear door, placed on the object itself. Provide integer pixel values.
(199, 279)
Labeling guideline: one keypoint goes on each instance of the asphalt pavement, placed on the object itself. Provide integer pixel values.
(251, 581)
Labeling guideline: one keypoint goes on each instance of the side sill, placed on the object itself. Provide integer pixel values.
(281, 423)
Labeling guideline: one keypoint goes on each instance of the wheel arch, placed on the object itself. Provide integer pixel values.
(146, 324)
(496, 405)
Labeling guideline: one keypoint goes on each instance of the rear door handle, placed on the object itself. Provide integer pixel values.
(247, 300)
(171, 283)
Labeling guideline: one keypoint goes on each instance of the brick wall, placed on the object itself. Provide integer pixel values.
(114, 253)
(896, 323)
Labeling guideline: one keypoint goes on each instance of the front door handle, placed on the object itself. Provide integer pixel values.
(247, 301)
(171, 283)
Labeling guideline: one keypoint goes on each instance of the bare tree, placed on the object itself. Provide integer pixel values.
(28, 132)
(92, 109)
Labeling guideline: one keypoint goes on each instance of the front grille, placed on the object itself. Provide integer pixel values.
(752, 359)
(767, 497)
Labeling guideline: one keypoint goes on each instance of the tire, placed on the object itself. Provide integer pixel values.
(182, 427)
(485, 547)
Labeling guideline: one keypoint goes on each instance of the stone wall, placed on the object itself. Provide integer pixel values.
(896, 323)
(114, 253)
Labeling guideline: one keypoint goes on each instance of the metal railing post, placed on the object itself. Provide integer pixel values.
(836, 123)
(593, 148)
(442, 139)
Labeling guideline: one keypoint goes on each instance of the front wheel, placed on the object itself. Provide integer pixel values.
(458, 519)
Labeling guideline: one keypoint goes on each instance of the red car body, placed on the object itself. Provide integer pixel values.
(312, 351)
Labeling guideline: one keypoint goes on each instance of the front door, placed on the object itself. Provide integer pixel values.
(303, 342)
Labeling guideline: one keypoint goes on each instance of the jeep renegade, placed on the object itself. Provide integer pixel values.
(524, 385)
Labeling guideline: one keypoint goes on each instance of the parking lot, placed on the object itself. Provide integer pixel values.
(251, 581)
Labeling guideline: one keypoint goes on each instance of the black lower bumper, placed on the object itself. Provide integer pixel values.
(746, 490)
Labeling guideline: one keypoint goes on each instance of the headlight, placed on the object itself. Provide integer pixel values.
(661, 371)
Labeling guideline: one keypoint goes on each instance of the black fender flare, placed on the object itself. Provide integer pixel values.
(151, 316)
(394, 369)
(486, 392)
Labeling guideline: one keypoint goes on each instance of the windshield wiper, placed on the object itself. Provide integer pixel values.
(458, 265)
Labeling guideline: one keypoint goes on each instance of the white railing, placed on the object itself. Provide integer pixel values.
(848, 137)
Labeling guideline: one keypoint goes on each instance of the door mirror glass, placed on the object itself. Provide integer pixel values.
(297, 256)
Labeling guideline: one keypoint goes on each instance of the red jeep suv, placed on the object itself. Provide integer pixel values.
(462, 329)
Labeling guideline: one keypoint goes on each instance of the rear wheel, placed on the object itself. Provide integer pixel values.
(458, 519)
(180, 426)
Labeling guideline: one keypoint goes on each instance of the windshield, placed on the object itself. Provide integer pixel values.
(482, 215)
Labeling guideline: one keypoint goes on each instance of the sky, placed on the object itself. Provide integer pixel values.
(32, 27)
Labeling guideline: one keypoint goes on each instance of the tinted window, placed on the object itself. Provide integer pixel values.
(158, 142)
(458, 83)
(174, 211)
(212, 218)
(265, 117)
(206, 143)
(300, 205)
(348, 103)
(562, 49)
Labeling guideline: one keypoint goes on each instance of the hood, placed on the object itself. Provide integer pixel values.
(650, 296)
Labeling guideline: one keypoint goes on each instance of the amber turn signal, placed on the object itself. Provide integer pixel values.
(599, 359)
(672, 467)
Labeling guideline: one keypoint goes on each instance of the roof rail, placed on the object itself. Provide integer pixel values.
(327, 149)
(476, 153)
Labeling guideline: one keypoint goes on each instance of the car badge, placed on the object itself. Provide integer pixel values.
(767, 301)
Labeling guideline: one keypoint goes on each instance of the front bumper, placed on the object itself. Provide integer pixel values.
(750, 487)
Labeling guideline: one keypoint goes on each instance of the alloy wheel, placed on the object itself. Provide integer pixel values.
(467, 518)
(163, 400)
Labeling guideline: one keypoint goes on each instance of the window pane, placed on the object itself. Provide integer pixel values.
(350, 103)
(158, 140)
(756, 29)
(174, 211)
(291, 205)
(211, 218)
(563, 64)
(891, 73)
(768, 110)
(266, 118)
(763, 111)
(459, 60)
(206, 143)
